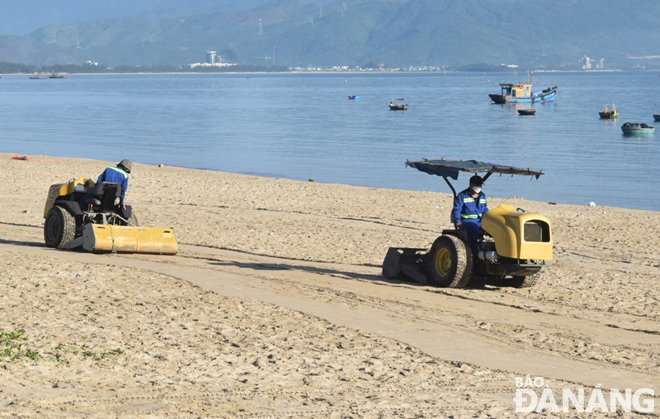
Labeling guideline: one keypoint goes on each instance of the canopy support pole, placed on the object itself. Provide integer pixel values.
(487, 175)
(451, 186)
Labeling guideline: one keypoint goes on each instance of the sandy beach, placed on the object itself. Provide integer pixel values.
(275, 305)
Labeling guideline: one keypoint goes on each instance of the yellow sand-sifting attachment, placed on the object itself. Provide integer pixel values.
(103, 238)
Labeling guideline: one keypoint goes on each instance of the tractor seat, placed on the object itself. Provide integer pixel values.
(100, 189)
(103, 196)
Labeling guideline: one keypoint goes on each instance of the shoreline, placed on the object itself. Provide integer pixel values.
(266, 176)
(300, 72)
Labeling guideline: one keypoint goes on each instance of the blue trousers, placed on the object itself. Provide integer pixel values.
(474, 230)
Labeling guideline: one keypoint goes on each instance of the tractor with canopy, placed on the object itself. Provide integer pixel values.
(512, 246)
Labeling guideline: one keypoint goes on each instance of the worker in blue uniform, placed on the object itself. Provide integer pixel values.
(118, 174)
(469, 206)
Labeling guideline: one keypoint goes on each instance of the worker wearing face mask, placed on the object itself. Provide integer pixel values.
(469, 206)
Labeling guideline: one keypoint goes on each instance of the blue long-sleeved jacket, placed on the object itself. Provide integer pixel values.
(115, 174)
(467, 209)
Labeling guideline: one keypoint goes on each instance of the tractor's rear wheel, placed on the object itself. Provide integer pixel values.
(59, 227)
(523, 281)
(449, 263)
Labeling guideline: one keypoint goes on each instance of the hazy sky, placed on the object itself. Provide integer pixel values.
(18, 17)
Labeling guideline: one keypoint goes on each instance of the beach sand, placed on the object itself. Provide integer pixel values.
(275, 307)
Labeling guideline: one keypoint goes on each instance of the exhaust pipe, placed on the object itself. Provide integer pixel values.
(489, 255)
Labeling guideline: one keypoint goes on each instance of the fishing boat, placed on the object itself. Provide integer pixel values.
(37, 76)
(58, 76)
(606, 113)
(634, 128)
(656, 117)
(353, 97)
(522, 93)
(526, 111)
(394, 106)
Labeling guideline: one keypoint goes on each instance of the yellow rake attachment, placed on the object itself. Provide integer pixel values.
(104, 238)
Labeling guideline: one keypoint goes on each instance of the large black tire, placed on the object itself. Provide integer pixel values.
(449, 262)
(59, 227)
(523, 281)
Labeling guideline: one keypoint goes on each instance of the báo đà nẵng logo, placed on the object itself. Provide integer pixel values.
(532, 395)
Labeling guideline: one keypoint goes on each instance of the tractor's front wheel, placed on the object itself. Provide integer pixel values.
(59, 227)
(449, 263)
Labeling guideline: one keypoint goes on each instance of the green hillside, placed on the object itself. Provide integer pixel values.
(397, 33)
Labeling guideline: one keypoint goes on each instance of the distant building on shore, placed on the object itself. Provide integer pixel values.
(587, 63)
(210, 57)
(212, 60)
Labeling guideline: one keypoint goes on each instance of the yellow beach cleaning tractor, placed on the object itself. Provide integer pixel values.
(513, 246)
(82, 213)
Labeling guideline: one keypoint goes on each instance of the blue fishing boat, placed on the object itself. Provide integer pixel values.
(522, 93)
(633, 128)
(656, 117)
(354, 97)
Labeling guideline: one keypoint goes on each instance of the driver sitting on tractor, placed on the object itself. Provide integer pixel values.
(117, 174)
(469, 206)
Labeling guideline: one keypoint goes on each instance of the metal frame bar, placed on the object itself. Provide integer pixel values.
(451, 186)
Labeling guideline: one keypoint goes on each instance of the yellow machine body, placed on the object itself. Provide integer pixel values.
(64, 189)
(104, 238)
(519, 235)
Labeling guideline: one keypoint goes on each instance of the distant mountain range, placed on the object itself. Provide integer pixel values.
(531, 34)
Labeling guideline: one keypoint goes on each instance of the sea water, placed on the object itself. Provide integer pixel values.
(302, 126)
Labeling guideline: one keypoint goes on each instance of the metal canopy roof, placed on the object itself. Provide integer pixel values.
(450, 168)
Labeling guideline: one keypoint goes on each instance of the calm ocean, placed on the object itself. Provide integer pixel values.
(303, 126)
